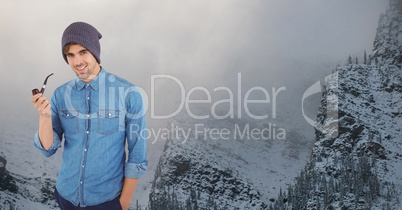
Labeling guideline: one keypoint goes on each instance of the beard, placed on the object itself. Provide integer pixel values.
(88, 74)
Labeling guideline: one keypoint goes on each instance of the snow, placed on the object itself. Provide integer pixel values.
(264, 165)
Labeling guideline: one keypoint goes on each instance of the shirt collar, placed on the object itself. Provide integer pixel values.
(94, 83)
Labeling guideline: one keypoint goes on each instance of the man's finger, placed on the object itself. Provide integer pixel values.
(44, 104)
(39, 102)
(36, 97)
(43, 99)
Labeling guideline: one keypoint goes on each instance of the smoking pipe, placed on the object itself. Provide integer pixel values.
(42, 90)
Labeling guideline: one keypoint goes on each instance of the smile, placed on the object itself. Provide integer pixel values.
(81, 69)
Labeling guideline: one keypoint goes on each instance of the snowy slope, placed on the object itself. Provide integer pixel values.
(229, 171)
(33, 174)
(356, 159)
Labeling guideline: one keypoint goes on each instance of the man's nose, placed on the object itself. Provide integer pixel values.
(77, 61)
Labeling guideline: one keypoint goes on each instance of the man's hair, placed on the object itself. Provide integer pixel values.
(67, 47)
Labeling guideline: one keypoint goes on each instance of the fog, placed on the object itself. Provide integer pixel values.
(273, 43)
(270, 43)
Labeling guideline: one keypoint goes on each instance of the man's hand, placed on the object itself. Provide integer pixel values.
(128, 191)
(125, 203)
(42, 105)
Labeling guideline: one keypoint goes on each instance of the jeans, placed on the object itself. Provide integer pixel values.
(67, 205)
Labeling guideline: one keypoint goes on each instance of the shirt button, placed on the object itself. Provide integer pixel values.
(87, 98)
(110, 115)
(87, 85)
(83, 166)
(85, 150)
(80, 182)
(87, 115)
(87, 131)
(68, 115)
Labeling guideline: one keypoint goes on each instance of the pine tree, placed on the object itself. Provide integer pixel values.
(388, 206)
(210, 202)
(365, 57)
(215, 206)
(349, 60)
(188, 203)
(137, 205)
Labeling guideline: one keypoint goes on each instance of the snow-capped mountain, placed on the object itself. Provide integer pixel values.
(356, 159)
(388, 40)
(239, 170)
(231, 163)
(27, 178)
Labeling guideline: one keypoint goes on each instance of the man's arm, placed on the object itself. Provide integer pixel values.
(136, 164)
(46, 139)
(128, 192)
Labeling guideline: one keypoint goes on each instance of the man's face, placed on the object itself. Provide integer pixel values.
(82, 62)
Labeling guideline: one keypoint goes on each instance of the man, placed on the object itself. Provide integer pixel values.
(97, 113)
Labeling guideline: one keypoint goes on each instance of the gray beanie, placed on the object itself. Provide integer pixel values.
(83, 34)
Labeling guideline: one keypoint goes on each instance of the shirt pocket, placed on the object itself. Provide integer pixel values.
(69, 121)
(108, 121)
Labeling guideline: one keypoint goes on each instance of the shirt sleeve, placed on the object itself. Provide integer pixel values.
(52, 149)
(57, 132)
(136, 165)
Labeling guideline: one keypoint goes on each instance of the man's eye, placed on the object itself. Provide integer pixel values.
(83, 52)
(68, 55)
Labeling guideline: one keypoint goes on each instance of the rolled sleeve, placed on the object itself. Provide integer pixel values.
(52, 149)
(135, 170)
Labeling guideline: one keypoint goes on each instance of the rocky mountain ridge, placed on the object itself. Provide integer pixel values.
(203, 173)
(358, 164)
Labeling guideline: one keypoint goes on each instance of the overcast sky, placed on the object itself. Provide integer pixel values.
(273, 43)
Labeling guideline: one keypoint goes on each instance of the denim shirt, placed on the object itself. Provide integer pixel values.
(97, 119)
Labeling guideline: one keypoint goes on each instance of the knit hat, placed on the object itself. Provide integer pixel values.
(83, 34)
